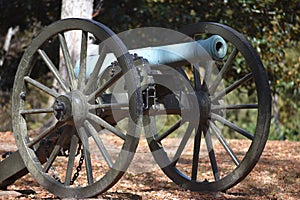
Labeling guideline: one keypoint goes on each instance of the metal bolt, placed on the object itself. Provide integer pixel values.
(22, 95)
(59, 110)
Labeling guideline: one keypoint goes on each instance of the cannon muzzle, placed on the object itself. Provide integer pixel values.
(215, 46)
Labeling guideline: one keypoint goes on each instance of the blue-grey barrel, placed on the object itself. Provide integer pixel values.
(212, 48)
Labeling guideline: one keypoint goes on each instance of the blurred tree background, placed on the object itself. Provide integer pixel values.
(272, 26)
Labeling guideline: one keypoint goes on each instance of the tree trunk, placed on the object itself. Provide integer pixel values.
(77, 8)
(74, 9)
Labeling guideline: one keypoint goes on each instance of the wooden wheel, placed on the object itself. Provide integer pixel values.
(234, 101)
(67, 135)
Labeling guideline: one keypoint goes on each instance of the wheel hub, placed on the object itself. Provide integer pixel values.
(72, 105)
(62, 108)
(204, 106)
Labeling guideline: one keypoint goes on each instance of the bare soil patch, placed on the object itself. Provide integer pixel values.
(276, 176)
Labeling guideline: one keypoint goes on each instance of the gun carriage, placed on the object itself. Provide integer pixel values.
(81, 144)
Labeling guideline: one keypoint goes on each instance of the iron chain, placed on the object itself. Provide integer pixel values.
(78, 168)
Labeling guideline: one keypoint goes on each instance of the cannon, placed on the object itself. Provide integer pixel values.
(186, 97)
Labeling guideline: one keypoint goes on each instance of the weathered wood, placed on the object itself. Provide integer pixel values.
(12, 168)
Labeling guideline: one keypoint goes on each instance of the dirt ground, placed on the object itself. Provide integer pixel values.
(276, 176)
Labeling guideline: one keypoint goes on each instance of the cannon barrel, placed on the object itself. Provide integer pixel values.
(213, 47)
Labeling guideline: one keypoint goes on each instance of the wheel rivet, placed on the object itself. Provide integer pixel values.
(22, 95)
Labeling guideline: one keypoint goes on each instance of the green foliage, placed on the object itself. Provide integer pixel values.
(271, 26)
(30, 16)
(24, 13)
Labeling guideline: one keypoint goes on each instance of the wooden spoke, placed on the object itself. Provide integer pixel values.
(83, 55)
(232, 126)
(88, 165)
(62, 139)
(207, 75)
(106, 85)
(86, 150)
(197, 79)
(68, 60)
(94, 75)
(36, 111)
(234, 107)
(41, 86)
(224, 69)
(211, 154)
(182, 144)
(52, 157)
(169, 131)
(52, 128)
(54, 70)
(72, 155)
(106, 125)
(196, 150)
(235, 85)
(226, 146)
(99, 142)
